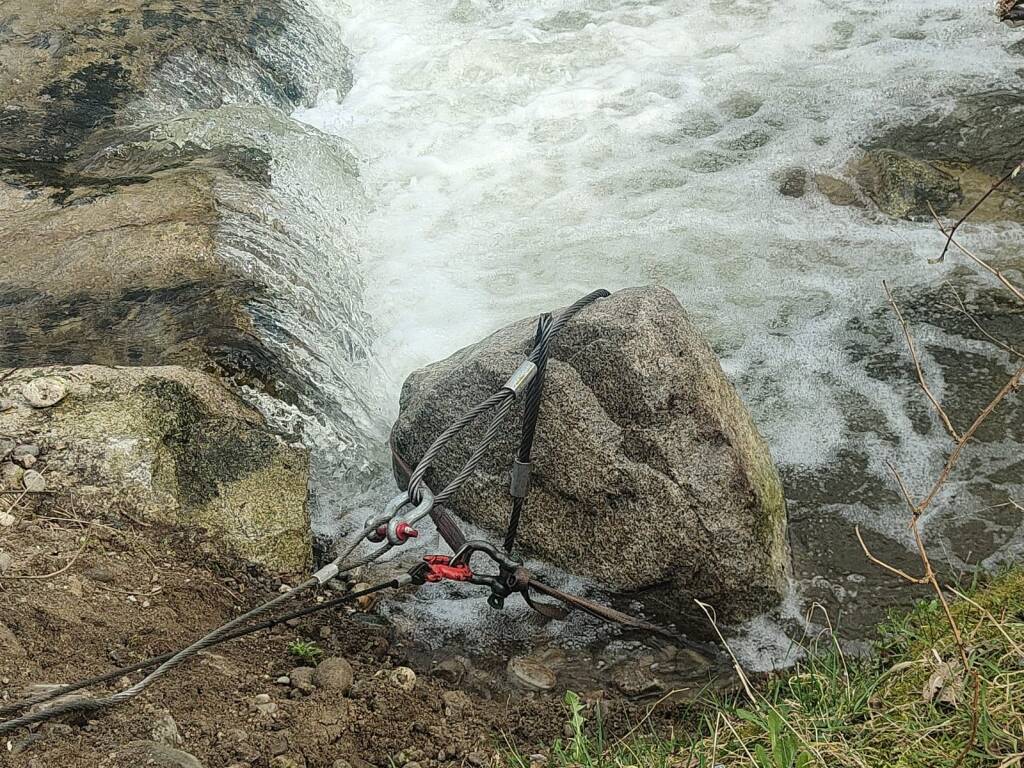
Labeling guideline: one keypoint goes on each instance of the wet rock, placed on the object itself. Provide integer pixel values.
(44, 392)
(452, 670)
(26, 455)
(302, 679)
(976, 142)
(114, 226)
(334, 674)
(531, 674)
(633, 679)
(903, 187)
(176, 447)
(153, 754)
(403, 678)
(793, 183)
(837, 191)
(165, 731)
(33, 481)
(643, 437)
(11, 475)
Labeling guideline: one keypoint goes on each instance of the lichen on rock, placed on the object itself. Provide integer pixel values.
(171, 445)
(648, 469)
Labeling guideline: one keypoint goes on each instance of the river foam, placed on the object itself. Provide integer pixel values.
(517, 155)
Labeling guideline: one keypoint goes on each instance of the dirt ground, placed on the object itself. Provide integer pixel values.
(81, 596)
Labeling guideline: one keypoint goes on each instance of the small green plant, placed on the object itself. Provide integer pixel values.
(305, 651)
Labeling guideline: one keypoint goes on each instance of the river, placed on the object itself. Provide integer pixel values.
(514, 156)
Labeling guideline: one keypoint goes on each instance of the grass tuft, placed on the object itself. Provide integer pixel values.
(908, 705)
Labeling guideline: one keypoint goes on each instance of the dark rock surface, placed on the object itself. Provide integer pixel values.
(113, 223)
(648, 470)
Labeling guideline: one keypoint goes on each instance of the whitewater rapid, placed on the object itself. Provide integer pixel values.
(516, 155)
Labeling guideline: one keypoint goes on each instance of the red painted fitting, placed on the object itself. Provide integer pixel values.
(406, 532)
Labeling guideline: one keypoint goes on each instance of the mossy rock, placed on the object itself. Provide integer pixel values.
(170, 445)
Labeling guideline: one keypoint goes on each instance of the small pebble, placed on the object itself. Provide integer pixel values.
(301, 678)
(6, 447)
(11, 475)
(6, 561)
(334, 674)
(33, 481)
(44, 392)
(283, 680)
(26, 455)
(531, 674)
(7, 519)
(404, 678)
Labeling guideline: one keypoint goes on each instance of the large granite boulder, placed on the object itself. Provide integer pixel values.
(164, 444)
(648, 470)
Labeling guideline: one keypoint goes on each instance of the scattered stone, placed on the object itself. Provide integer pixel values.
(636, 680)
(284, 761)
(6, 447)
(302, 679)
(26, 455)
(6, 561)
(7, 519)
(455, 703)
(478, 758)
(530, 674)
(452, 670)
(283, 680)
(634, 388)
(11, 475)
(366, 602)
(278, 744)
(325, 632)
(837, 191)
(903, 187)
(794, 182)
(404, 678)
(33, 481)
(165, 731)
(24, 743)
(153, 754)
(44, 392)
(334, 674)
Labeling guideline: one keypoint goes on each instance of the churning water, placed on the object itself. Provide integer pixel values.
(515, 155)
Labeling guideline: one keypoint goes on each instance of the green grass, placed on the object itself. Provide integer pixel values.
(305, 651)
(869, 712)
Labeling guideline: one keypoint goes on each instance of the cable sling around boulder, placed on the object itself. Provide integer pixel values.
(393, 527)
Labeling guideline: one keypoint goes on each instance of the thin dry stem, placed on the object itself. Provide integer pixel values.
(917, 365)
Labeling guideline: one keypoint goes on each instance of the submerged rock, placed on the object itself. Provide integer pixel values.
(648, 470)
(951, 157)
(904, 187)
(171, 445)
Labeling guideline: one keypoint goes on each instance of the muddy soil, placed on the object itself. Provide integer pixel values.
(81, 595)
